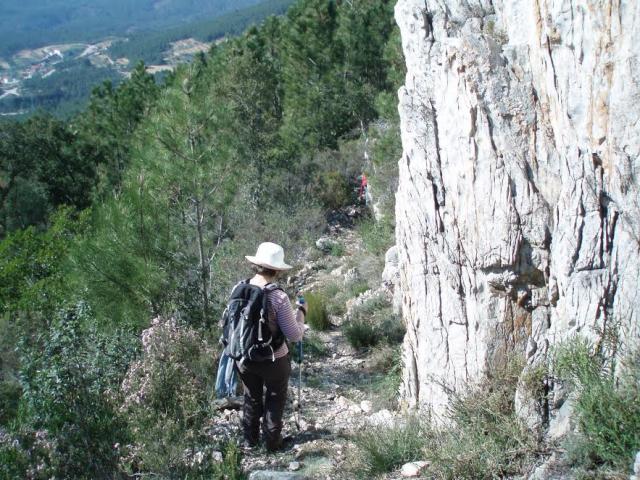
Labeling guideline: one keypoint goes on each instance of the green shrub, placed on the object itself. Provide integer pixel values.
(385, 365)
(358, 287)
(371, 307)
(68, 378)
(336, 307)
(317, 316)
(391, 328)
(335, 299)
(332, 290)
(373, 322)
(333, 190)
(337, 250)
(385, 448)
(167, 394)
(361, 333)
(480, 436)
(14, 460)
(486, 439)
(608, 410)
(377, 237)
(230, 467)
(10, 393)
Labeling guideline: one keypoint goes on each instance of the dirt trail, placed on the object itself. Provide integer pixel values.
(336, 395)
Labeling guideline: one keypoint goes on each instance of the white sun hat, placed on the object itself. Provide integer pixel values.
(269, 255)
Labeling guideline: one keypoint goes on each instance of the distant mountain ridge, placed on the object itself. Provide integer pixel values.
(32, 23)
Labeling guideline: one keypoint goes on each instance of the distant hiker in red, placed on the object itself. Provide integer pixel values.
(258, 318)
(362, 192)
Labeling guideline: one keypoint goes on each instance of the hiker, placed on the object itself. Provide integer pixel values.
(363, 191)
(272, 367)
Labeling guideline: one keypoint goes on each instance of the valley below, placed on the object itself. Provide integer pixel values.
(51, 71)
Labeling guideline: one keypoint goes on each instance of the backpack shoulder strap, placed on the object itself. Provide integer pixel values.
(269, 287)
(279, 337)
(241, 282)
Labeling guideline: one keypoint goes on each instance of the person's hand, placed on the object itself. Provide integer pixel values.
(302, 304)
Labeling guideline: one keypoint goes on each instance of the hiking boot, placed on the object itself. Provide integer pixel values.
(281, 444)
(248, 445)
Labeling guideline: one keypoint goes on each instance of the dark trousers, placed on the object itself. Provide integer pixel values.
(255, 376)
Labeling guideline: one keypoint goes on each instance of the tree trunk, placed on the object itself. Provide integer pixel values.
(204, 275)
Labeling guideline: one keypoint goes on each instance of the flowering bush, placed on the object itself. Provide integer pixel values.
(167, 396)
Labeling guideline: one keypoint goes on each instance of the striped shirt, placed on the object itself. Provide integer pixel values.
(282, 316)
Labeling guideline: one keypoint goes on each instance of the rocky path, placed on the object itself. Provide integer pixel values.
(336, 393)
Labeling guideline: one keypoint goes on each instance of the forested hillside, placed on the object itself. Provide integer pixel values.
(151, 46)
(55, 70)
(144, 205)
(33, 23)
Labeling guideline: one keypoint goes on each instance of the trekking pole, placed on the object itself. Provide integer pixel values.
(299, 380)
(300, 301)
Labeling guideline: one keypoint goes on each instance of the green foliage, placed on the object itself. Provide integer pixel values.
(113, 264)
(337, 250)
(186, 173)
(47, 163)
(377, 236)
(10, 393)
(153, 243)
(373, 322)
(332, 289)
(317, 316)
(385, 366)
(608, 409)
(14, 461)
(66, 379)
(106, 129)
(361, 333)
(249, 77)
(479, 438)
(149, 46)
(357, 287)
(488, 439)
(230, 468)
(167, 399)
(383, 449)
(335, 296)
(333, 190)
(32, 277)
(32, 290)
(395, 68)
(56, 21)
(41, 170)
(576, 363)
(331, 68)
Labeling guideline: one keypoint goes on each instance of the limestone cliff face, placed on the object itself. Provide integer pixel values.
(518, 207)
